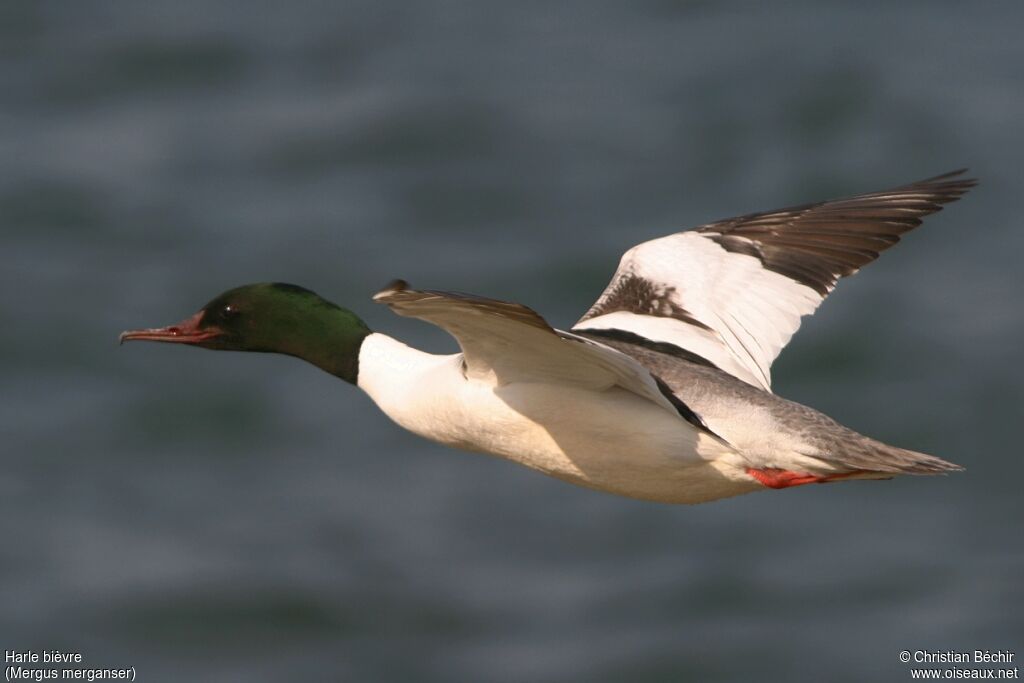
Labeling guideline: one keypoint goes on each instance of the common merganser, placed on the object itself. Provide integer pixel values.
(661, 391)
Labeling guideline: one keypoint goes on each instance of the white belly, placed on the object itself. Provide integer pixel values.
(611, 440)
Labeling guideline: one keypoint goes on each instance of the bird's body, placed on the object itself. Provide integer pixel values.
(662, 390)
(615, 441)
(607, 439)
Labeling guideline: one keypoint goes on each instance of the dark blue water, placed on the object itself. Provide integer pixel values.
(231, 517)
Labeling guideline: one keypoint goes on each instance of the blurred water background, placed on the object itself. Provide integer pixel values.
(239, 517)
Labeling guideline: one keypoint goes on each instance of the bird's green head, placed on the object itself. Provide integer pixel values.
(271, 317)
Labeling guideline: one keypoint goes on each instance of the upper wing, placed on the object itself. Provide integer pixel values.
(733, 292)
(507, 342)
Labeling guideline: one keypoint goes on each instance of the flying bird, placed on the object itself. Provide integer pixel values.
(661, 391)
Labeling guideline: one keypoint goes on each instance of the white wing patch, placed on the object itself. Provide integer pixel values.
(745, 314)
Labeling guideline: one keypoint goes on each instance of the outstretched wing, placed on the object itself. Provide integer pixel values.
(506, 342)
(733, 292)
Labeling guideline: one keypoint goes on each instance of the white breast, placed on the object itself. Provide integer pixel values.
(611, 440)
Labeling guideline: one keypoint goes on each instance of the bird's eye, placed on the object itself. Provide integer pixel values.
(229, 312)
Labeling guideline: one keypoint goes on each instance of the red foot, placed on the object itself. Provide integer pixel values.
(781, 479)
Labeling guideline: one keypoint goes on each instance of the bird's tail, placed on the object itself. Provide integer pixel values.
(876, 460)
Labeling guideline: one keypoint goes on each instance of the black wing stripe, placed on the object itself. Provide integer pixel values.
(684, 410)
(620, 340)
(613, 336)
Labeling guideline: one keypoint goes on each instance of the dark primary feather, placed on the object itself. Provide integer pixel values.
(816, 244)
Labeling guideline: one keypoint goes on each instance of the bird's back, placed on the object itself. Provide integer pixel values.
(769, 430)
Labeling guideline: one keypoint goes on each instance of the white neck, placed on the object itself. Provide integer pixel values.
(384, 362)
(394, 374)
